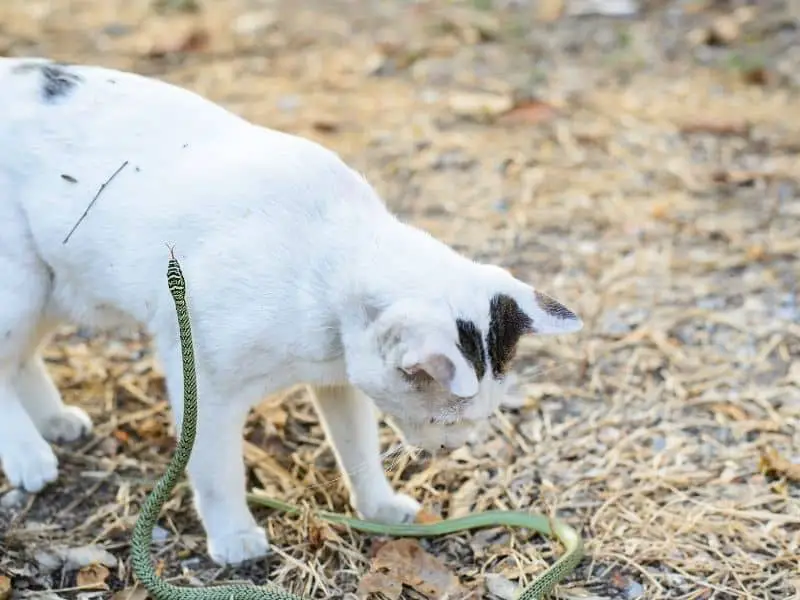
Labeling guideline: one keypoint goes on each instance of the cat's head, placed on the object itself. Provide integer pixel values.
(438, 366)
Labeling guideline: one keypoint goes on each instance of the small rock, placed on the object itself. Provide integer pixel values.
(72, 559)
(13, 499)
(160, 535)
(254, 23)
(288, 103)
(724, 31)
(634, 590)
(117, 29)
(5, 587)
(500, 586)
(608, 8)
(47, 561)
(190, 563)
(480, 104)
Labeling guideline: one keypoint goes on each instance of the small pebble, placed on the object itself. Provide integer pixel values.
(160, 535)
(13, 499)
(634, 590)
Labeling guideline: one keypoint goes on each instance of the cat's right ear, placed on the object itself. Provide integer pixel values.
(448, 369)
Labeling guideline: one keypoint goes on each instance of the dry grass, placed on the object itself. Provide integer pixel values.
(659, 198)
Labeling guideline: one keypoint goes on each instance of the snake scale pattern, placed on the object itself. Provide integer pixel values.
(142, 534)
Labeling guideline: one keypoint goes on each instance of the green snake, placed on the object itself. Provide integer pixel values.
(148, 515)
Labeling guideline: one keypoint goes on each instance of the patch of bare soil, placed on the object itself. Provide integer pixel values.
(643, 167)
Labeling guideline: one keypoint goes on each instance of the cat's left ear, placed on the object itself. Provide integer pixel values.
(548, 316)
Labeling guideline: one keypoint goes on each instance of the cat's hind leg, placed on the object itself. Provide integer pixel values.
(26, 458)
(350, 423)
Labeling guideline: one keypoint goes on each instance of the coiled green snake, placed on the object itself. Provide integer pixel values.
(143, 530)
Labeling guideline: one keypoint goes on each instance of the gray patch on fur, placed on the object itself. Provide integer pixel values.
(507, 324)
(554, 308)
(57, 80)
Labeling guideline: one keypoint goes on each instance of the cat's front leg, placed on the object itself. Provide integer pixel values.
(350, 422)
(216, 468)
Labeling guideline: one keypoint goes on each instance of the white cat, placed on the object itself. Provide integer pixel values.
(296, 272)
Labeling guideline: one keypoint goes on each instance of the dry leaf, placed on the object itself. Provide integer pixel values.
(480, 105)
(318, 534)
(379, 583)
(463, 498)
(500, 586)
(529, 112)
(756, 252)
(325, 125)
(548, 11)
(193, 40)
(731, 410)
(660, 210)
(724, 30)
(425, 516)
(773, 463)
(150, 428)
(134, 593)
(404, 562)
(5, 587)
(716, 127)
(93, 577)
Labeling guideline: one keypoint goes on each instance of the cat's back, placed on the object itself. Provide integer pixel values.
(51, 111)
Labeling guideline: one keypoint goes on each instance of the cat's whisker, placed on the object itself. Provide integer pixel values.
(391, 452)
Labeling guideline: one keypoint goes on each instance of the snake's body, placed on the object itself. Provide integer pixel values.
(142, 533)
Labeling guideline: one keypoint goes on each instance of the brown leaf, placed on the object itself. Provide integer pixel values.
(151, 428)
(404, 562)
(716, 127)
(5, 587)
(325, 125)
(379, 583)
(93, 577)
(756, 252)
(772, 463)
(480, 105)
(731, 410)
(425, 516)
(529, 112)
(724, 30)
(134, 593)
(318, 534)
(548, 11)
(195, 39)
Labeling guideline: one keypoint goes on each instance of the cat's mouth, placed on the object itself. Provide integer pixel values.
(437, 438)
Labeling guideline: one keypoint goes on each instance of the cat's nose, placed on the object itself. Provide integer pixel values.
(441, 451)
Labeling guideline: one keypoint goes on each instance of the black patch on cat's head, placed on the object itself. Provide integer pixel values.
(470, 343)
(554, 308)
(506, 325)
(57, 80)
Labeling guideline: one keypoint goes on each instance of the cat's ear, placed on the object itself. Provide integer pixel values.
(448, 369)
(550, 317)
(529, 312)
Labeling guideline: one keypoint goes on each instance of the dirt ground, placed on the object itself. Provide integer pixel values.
(642, 168)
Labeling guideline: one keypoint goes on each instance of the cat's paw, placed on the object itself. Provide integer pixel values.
(69, 425)
(29, 465)
(396, 509)
(237, 547)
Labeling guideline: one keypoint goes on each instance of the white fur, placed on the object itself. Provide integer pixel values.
(295, 270)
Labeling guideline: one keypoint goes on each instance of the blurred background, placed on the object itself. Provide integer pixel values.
(637, 160)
